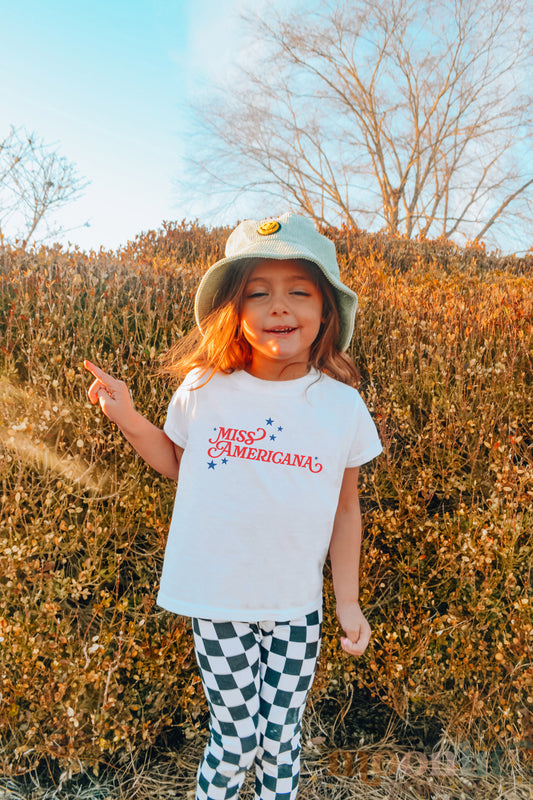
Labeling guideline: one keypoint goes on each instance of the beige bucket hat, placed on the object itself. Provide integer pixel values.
(288, 236)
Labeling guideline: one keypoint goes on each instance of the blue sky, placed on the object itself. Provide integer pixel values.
(110, 83)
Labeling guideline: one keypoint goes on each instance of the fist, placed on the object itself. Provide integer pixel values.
(356, 628)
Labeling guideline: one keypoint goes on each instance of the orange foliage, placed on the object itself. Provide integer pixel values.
(89, 667)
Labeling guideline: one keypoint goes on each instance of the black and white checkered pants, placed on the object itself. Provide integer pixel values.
(256, 678)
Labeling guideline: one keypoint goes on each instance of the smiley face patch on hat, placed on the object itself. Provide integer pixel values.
(268, 227)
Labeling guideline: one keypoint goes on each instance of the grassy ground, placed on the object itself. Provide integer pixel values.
(172, 775)
(388, 769)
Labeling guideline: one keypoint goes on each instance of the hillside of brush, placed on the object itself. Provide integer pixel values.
(91, 669)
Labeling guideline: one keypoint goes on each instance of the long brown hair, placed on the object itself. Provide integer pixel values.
(221, 346)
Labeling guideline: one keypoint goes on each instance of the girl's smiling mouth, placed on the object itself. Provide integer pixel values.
(280, 329)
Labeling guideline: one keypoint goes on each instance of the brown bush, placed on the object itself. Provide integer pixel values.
(90, 667)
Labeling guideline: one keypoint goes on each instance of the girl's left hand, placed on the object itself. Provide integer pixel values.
(356, 628)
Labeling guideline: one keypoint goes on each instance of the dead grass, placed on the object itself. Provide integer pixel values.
(384, 770)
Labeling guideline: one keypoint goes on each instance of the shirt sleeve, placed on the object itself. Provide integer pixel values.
(365, 443)
(176, 424)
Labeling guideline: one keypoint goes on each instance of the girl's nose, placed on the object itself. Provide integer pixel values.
(278, 304)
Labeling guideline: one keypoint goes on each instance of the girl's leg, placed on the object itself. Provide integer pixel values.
(228, 654)
(289, 653)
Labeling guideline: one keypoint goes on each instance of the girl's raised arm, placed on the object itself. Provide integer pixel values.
(152, 443)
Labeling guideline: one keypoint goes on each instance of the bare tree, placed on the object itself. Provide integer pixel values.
(408, 115)
(34, 181)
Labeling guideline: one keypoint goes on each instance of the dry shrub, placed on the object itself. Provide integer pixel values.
(446, 358)
(91, 670)
(90, 667)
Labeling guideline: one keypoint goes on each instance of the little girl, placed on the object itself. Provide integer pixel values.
(266, 435)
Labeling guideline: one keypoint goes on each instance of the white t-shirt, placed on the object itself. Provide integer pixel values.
(257, 493)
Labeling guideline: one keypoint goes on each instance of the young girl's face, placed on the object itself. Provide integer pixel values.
(280, 318)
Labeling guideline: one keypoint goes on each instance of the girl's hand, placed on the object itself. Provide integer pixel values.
(112, 394)
(356, 628)
(149, 441)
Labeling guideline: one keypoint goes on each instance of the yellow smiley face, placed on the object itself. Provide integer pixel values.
(269, 227)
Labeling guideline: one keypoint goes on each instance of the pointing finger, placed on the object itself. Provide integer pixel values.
(98, 373)
(90, 366)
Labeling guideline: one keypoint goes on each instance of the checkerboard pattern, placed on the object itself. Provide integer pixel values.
(256, 678)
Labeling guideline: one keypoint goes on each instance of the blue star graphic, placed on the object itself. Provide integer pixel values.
(280, 428)
(211, 465)
(224, 460)
(272, 438)
(269, 421)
